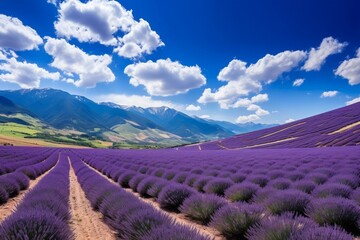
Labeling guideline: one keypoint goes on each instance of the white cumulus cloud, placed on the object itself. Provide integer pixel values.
(141, 39)
(298, 82)
(93, 21)
(329, 94)
(289, 120)
(317, 57)
(90, 69)
(258, 110)
(270, 67)
(242, 80)
(355, 100)
(350, 69)
(135, 100)
(54, 2)
(16, 36)
(260, 98)
(247, 118)
(165, 77)
(24, 74)
(192, 107)
(109, 23)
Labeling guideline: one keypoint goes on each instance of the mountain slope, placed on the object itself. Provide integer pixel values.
(10, 112)
(180, 124)
(340, 127)
(8, 107)
(238, 128)
(62, 110)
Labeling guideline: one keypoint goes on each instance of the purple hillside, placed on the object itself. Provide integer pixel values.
(339, 127)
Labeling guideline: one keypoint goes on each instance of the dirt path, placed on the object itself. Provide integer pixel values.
(10, 206)
(86, 223)
(178, 217)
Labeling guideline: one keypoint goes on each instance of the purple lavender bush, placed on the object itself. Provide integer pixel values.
(241, 192)
(99, 195)
(34, 225)
(260, 180)
(140, 223)
(296, 176)
(332, 189)
(156, 188)
(173, 195)
(125, 178)
(318, 178)
(4, 196)
(191, 179)
(355, 196)
(180, 177)
(234, 220)
(276, 174)
(217, 186)
(200, 207)
(324, 233)
(158, 172)
(279, 228)
(336, 211)
(350, 180)
(201, 182)
(238, 177)
(11, 186)
(174, 233)
(169, 175)
(280, 183)
(21, 179)
(134, 182)
(145, 185)
(306, 186)
(288, 201)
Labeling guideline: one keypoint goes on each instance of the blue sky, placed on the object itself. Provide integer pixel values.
(233, 60)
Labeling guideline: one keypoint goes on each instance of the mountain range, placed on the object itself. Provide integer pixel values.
(79, 116)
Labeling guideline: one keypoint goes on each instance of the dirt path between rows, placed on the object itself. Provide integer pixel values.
(178, 217)
(10, 206)
(85, 223)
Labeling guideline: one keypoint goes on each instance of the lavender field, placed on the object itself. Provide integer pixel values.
(301, 193)
(179, 120)
(339, 127)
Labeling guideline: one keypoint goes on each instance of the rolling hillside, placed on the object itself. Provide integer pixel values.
(124, 126)
(340, 127)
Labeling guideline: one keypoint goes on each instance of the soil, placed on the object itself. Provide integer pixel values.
(85, 223)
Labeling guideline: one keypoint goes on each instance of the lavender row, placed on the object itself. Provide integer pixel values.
(38, 169)
(129, 216)
(8, 153)
(323, 178)
(44, 211)
(26, 157)
(292, 182)
(12, 183)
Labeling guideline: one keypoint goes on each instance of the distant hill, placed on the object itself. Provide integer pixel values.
(183, 125)
(240, 127)
(108, 121)
(62, 110)
(8, 107)
(340, 127)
